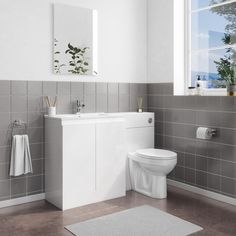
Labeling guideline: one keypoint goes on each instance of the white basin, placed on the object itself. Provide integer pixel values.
(85, 116)
(97, 115)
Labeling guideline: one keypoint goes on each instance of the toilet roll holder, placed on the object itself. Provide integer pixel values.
(206, 133)
(213, 132)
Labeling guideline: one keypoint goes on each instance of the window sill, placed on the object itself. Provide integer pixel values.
(214, 92)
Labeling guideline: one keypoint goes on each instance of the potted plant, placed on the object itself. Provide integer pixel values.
(227, 72)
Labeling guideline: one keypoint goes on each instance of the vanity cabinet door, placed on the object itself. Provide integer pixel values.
(78, 164)
(110, 159)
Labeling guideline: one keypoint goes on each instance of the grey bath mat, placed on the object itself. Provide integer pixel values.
(139, 221)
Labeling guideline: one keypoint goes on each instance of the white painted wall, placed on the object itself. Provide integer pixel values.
(160, 41)
(27, 33)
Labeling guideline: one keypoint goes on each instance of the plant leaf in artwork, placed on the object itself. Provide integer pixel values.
(70, 47)
(77, 50)
(84, 70)
(62, 65)
(78, 60)
(56, 61)
(57, 53)
(72, 71)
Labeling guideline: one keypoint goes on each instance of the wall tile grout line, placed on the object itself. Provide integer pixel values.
(197, 125)
(26, 177)
(186, 109)
(191, 139)
(10, 182)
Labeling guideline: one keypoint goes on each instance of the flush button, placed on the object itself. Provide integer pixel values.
(150, 120)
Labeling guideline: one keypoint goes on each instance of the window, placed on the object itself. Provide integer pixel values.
(211, 36)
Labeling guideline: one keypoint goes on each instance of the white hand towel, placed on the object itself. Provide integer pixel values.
(20, 156)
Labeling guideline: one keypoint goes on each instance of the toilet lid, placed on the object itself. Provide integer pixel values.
(156, 154)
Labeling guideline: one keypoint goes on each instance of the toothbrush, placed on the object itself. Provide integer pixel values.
(55, 101)
(47, 101)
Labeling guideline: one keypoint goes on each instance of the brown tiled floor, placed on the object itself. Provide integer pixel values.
(42, 219)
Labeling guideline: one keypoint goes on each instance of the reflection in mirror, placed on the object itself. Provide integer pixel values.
(75, 40)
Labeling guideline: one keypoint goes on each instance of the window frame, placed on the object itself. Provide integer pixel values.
(188, 51)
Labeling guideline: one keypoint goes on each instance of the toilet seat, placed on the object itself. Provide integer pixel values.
(156, 154)
(149, 169)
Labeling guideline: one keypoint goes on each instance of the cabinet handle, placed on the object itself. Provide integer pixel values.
(150, 120)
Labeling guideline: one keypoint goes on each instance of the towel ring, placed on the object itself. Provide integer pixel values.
(19, 124)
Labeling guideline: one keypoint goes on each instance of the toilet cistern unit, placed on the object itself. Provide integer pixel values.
(147, 166)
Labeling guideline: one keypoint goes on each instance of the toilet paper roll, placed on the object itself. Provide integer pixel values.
(204, 133)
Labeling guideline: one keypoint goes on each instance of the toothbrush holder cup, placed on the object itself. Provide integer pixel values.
(51, 111)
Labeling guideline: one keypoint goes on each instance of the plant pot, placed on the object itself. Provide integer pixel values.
(231, 90)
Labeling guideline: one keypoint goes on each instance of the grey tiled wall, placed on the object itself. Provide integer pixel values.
(210, 164)
(24, 100)
(206, 164)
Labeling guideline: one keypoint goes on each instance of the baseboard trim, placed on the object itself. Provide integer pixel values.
(203, 192)
(187, 187)
(22, 200)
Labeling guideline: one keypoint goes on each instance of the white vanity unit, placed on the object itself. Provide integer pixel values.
(85, 159)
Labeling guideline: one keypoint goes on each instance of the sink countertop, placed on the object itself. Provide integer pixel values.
(84, 116)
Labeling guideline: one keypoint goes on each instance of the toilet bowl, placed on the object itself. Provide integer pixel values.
(148, 170)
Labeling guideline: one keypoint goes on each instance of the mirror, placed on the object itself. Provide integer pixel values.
(75, 40)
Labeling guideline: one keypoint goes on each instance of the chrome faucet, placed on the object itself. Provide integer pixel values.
(79, 106)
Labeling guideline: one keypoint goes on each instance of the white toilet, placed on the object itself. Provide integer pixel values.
(147, 167)
(148, 171)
